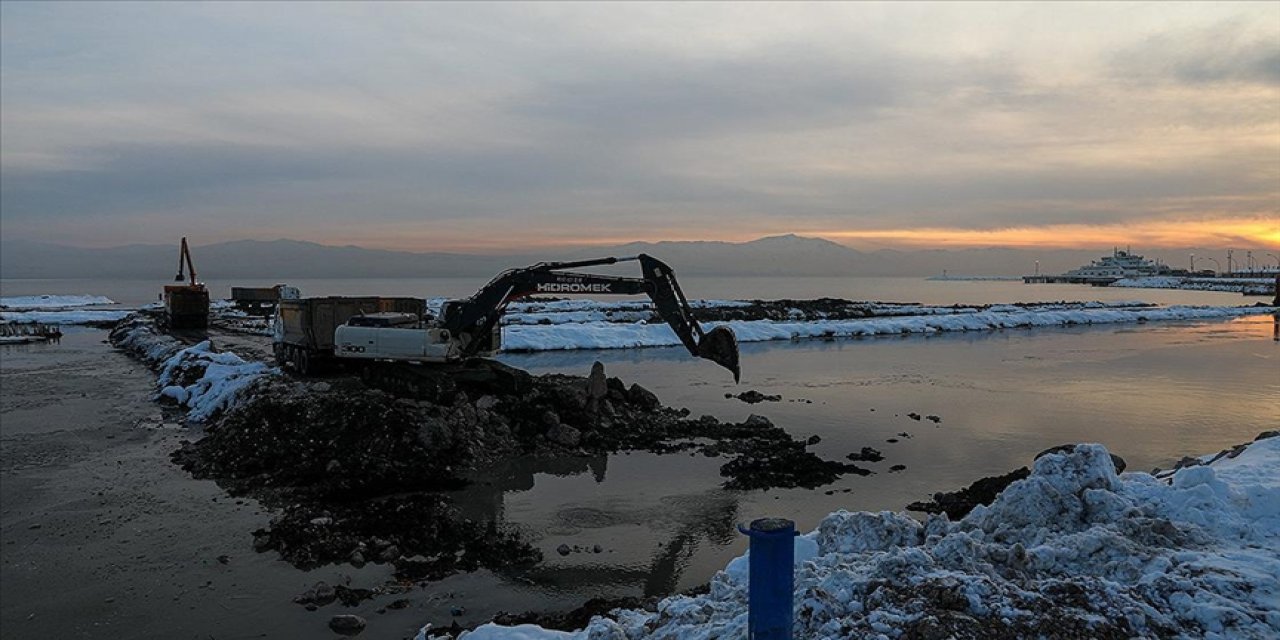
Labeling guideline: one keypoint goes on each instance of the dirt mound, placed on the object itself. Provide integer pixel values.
(349, 464)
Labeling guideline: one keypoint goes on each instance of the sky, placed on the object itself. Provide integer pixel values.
(497, 127)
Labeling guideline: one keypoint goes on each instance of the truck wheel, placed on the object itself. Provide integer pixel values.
(281, 354)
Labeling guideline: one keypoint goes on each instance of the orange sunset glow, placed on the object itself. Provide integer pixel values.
(1203, 233)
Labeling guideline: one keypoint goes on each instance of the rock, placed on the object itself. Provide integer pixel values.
(333, 467)
(564, 435)
(643, 397)
(224, 559)
(866, 455)
(914, 416)
(755, 420)
(891, 440)
(563, 549)
(813, 440)
(550, 419)
(356, 558)
(1116, 460)
(347, 623)
(321, 387)
(753, 397)
(457, 611)
(933, 419)
(617, 389)
(958, 504)
(597, 549)
(597, 386)
(389, 554)
(1267, 434)
(897, 467)
(486, 402)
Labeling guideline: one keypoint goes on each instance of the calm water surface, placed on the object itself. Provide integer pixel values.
(1150, 393)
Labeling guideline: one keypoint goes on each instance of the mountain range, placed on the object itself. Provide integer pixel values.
(786, 255)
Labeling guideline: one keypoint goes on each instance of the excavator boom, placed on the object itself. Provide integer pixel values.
(473, 319)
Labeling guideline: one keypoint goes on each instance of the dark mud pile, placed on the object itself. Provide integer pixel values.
(353, 467)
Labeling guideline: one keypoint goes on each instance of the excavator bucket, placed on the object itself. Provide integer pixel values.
(720, 346)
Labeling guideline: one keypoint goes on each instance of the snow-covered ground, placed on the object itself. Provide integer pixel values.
(582, 311)
(596, 334)
(58, 310)
(76, 316)
(20, 303)
(1074, 550)
(1234, 285)
(197, 377)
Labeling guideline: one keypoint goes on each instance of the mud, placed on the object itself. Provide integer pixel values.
(754, 397)
(958, 504)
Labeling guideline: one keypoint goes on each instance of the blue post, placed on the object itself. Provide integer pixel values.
(772, 578)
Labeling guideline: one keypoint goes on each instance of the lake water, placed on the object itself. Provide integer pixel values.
(1152, 393)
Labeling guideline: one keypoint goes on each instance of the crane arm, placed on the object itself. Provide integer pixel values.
(474, 318)
(184, 256)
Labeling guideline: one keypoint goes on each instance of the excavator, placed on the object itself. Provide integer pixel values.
(186, 306)
(469, 327)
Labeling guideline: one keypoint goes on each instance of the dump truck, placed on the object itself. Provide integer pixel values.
(303, 329)
(261, 301)
(471, 327)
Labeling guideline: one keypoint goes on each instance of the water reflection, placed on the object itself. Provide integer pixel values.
(627, 541)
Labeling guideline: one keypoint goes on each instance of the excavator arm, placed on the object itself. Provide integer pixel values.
(473, 319)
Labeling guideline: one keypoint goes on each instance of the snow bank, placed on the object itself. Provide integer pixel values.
(1074, 550)
(583, 311)
(206, 381)
(608, 335)
(86, 316)
(53, 302)
(197, 377)
(1233, 285)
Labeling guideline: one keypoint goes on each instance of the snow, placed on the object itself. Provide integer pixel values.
(597, 334)
(197, 377)
(219, 379)
(1074, 550)
(87, 316)
(53, 302)
(1234, 285)
(20, 339)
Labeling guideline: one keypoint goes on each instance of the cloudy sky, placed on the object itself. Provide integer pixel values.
(431, 126)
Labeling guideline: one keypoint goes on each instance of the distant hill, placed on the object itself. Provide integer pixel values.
(787, 255)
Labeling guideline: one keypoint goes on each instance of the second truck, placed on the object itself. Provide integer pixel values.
(311, 330)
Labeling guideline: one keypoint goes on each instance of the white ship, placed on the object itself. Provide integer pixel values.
(1120, 264)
